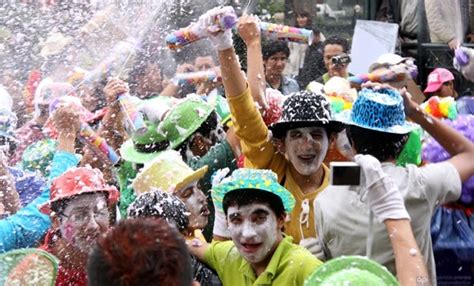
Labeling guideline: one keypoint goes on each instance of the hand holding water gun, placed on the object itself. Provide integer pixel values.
(117, 89)
(66, 112)
(217, 24)
(463, 62)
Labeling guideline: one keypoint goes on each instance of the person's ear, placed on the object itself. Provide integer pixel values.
(281, 221)
(279, 145)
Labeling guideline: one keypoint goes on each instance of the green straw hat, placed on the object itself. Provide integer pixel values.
(351, 270)
(29, 266)
(244, 179)
(165, 172)
(184, 119)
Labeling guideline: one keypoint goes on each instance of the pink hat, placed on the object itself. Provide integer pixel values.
(436, 78)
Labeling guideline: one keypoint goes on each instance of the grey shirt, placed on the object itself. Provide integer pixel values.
(342, 219)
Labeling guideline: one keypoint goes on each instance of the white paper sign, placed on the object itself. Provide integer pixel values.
(371, 39)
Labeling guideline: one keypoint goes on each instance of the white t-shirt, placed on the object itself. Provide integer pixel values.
(342, 219)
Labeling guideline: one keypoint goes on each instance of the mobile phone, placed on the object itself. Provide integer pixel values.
(345, 174)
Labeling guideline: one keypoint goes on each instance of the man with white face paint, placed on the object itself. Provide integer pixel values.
(255, 205)
(300, 138)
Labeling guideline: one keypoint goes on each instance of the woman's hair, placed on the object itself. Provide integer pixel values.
(304, 14)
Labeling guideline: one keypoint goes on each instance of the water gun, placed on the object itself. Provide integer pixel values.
(227, 19)
(398, 72)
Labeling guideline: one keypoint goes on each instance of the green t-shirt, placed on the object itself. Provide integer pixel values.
(290, 264)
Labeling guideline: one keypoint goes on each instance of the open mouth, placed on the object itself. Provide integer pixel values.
(250, 247)
(307, 158)
(205, 211)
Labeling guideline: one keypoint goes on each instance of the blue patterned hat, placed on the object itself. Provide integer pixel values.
(244, 179)
(380, 110)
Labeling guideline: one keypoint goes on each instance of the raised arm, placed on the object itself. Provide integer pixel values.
(458, 146)
(386, 202)
(250, 33)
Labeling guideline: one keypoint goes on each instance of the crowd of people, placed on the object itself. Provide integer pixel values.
(227, 179)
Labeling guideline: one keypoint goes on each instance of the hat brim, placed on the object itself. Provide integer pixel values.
(129, 153)
(345, 118)
(433, 87)
(280, 128)
(195, 176)
(112, 197)
(219, 192)
(325, 274)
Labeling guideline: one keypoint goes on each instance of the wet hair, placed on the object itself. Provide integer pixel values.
(158, 204)
(140, 252)
(206, 129)
(272, 47)
(336, 40)
(382, 145)
(245, 197)
(304, 14)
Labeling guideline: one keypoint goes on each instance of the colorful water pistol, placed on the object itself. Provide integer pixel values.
(441, 107)
(292, 34)
(185, 36)
(195, 77)
(227, 20)
(397, 72)
(133, 116)
(88, 134)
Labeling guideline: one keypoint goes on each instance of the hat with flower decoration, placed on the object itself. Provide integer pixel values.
(380, 110)
(253, 179)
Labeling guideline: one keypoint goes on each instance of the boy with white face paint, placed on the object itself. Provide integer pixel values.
(300, 139)
(255, 206)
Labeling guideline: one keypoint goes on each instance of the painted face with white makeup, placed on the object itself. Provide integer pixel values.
(84, 218)
(306, 148)
(196, 204)
(255, 231)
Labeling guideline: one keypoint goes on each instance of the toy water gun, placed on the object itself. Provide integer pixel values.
(441, 107)
(133, 116)
(227, 20)
(195, 77)
(401, 71)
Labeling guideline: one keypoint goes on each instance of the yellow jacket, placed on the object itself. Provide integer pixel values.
(260, 153)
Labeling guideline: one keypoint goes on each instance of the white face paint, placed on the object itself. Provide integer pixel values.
(196, 204)
(84, 218)
(254, 230)
(306, 148)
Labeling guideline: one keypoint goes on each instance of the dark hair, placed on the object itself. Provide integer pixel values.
(336, 40)
(304, 14)
(382, 145)
(140, 252)
(205, 130)
(245, 197)
(272, 47)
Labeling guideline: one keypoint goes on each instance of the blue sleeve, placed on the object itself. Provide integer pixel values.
(28, 225)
